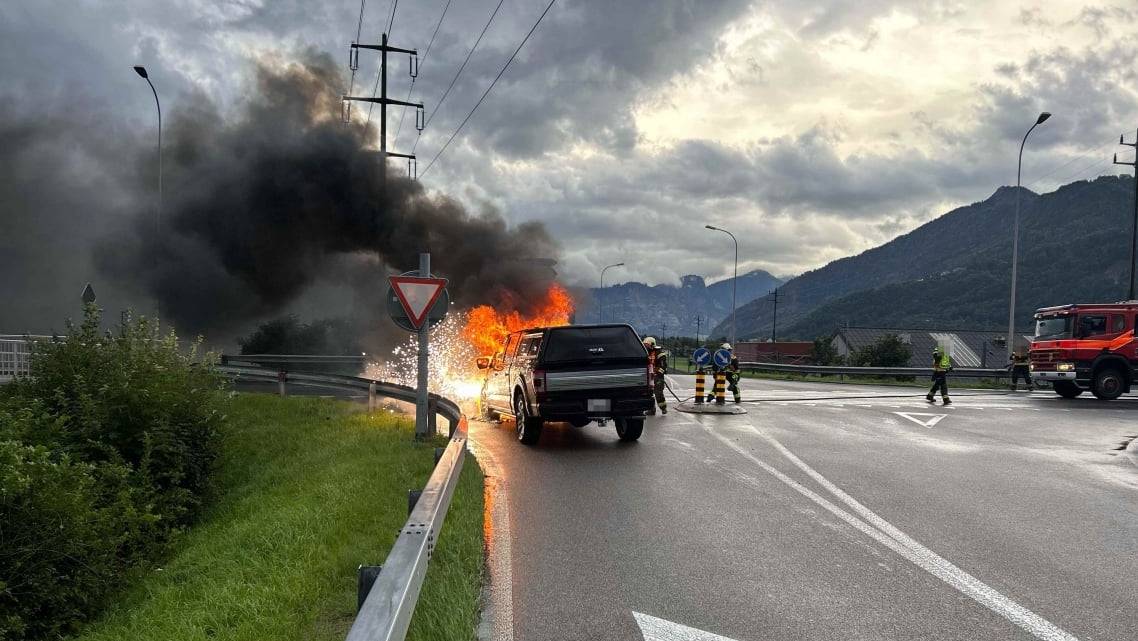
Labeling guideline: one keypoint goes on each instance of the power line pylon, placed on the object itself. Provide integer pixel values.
(383, 100)
(1134, 228)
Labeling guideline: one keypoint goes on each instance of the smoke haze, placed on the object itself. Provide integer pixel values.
(261, 206)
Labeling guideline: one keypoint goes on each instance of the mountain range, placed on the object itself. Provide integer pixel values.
(670, 310)
(954, 272)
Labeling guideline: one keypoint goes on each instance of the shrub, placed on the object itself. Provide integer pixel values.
(887, 351)
(107, 451)
(824, 352)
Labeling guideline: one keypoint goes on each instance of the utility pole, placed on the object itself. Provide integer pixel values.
(420, 117)
(697, 328)
(773, 297)
(1134, 227)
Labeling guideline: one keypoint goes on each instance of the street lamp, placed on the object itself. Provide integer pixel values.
(141, 71)
(1015, 239)
(600, 299)
(734, 278)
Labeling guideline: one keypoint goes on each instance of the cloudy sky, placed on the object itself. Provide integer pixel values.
(812, 130)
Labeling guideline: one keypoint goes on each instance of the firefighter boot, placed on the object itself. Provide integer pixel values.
(947, 400)
(930, 398)
(663, 408)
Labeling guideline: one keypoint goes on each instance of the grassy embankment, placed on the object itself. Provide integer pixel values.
(308, 489)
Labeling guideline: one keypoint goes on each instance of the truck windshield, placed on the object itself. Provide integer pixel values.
(1053, 328)
(592, 343)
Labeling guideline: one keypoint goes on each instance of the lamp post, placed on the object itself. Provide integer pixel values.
(600, 301)
(141, 71)
(1015, 239)
(734, 278)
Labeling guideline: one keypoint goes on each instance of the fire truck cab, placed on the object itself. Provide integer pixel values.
(1081, 347)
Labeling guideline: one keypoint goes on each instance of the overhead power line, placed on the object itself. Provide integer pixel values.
(390, 22)
(352, 83)
(1039, 180)
(487, 92)
(422, 60)
(460, 68)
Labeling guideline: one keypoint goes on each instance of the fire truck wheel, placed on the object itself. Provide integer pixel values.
(1067, 389)
(629, 429)
(529, 427)
(1108, 383)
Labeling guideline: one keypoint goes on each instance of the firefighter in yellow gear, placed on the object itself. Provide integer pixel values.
(1021, 366)
(657, 369)
(942, 365)
(731, 371)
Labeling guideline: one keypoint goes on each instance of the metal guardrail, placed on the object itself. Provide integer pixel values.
(386, 612)
(832, 370)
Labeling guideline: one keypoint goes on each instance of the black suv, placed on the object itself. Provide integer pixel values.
(575, 373)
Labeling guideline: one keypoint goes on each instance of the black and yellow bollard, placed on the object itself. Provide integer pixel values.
(699, 386)
(720, 388)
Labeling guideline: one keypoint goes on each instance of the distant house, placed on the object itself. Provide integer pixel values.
(968, 348)
(791, 352)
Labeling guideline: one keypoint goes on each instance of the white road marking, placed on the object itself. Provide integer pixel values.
(886, 534)
(498, 615)
(931, 420)
(655, 629)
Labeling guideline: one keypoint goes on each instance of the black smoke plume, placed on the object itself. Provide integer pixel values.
(261, 205)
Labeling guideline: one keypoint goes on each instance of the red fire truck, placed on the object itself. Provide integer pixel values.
(1081, 347)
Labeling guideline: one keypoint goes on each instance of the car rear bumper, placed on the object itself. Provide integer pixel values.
(565, 409)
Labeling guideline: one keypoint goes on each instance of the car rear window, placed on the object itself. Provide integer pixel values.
(592, 343)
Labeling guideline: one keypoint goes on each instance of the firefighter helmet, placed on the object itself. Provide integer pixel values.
(726, 346)
(649, 341)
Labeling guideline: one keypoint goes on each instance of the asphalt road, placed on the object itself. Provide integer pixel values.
(823, 513)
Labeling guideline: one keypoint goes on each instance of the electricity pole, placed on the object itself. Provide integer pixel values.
(1134, 227)
(773, 297)
(420, 117)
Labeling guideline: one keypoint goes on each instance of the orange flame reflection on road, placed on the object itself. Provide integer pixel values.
(487, 327)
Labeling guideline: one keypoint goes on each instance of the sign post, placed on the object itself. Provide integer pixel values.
(424, 343)
(417, 298)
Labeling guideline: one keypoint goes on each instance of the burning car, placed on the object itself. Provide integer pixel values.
(575, 373)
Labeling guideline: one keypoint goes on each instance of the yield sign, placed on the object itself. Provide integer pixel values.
(417, 295)
(928, 420)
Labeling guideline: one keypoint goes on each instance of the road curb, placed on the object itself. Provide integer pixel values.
(496, 618)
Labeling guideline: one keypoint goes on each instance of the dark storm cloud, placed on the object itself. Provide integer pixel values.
(579, 76)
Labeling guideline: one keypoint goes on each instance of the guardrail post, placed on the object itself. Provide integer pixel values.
(413, 498)
(432, 416)
(366, 578)
(371, 397)
(439, 454)
(282, 376)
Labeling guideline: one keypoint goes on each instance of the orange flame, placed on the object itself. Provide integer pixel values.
(487, 327)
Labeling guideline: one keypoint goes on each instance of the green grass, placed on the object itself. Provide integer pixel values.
(308, 490)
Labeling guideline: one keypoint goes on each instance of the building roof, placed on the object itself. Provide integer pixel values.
(966, 347)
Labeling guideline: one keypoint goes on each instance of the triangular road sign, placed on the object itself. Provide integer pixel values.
(655, 629)
(928, 421)
(417, 295)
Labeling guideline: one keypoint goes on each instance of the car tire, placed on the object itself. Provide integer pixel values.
(528, 427)
(1108, 383)
(629, 429)
(1067, 389)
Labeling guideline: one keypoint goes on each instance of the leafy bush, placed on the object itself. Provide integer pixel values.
(106, 451)
(887, 351)
(824, 352)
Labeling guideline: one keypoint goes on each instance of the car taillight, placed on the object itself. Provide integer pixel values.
(539, 381)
